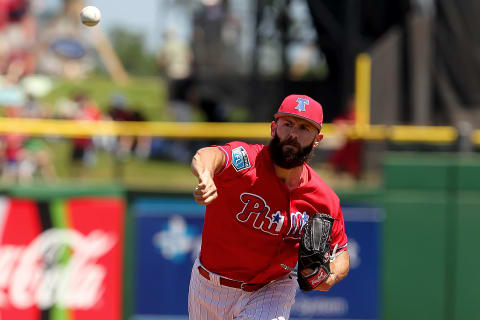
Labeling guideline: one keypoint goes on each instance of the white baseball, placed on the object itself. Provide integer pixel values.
(90, 16)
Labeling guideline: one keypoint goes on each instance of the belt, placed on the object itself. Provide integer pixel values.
(248, 287)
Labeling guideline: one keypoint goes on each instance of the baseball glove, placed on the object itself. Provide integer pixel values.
(314, 252)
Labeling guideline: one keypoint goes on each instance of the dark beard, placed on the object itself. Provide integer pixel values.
(289, 159)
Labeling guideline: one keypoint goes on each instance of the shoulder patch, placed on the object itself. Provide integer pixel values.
(240, 159)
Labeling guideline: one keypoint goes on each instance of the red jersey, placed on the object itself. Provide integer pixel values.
(256, 222)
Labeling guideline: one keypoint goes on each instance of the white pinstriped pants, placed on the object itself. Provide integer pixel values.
(208, 300)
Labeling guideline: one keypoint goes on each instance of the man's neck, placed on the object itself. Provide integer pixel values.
(293, 178)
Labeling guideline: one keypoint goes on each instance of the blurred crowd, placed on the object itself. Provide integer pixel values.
(20, 156)
(29, 62)
(17, 39)
(24, 158)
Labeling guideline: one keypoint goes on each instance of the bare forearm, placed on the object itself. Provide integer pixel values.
(205, 163)
(340, 266)
(339, 270)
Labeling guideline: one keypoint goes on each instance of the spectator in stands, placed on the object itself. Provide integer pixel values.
(13, 154)
(142, 145)
(126, 145)
(119, 111)
(17, 37)
(37, 161)
(83, 149)
(348, 158)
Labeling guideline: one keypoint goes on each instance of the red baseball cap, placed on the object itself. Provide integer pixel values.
(301, 106)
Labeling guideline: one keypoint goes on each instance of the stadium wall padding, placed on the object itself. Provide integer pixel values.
(432, 208)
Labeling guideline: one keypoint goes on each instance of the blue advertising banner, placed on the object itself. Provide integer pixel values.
(168, 238)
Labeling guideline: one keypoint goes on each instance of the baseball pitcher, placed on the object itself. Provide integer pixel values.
(271, 223)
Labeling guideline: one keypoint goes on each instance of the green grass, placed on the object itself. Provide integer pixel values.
(132, 172)
(146, 94)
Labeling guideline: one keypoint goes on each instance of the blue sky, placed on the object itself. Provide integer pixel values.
(139, 15)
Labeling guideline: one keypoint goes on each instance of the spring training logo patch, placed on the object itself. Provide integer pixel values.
(240, 159)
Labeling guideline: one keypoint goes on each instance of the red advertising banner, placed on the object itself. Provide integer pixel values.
(62, 259)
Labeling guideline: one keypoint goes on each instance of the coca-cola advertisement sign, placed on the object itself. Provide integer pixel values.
(61, 259)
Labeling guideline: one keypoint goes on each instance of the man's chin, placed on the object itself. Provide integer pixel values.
(290, 148)
(289, 164)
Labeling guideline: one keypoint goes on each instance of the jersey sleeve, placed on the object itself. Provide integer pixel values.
(338, 235)
(239, 159)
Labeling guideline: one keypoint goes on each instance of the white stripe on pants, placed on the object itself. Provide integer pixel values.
(208, 300)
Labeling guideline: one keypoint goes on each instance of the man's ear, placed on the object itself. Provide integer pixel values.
(318, 138)
(273, 128)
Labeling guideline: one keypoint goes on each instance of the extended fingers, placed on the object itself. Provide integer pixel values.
(202, 200)
(211, 197)
(204, 191)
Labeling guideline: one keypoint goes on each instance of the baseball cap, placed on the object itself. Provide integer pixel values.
(301, 106)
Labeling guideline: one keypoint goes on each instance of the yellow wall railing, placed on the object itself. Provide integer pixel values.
(224, 130)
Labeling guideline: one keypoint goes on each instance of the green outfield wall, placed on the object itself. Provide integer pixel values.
(432, 208)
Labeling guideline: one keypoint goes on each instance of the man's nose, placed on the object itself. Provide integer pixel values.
(293, 133)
